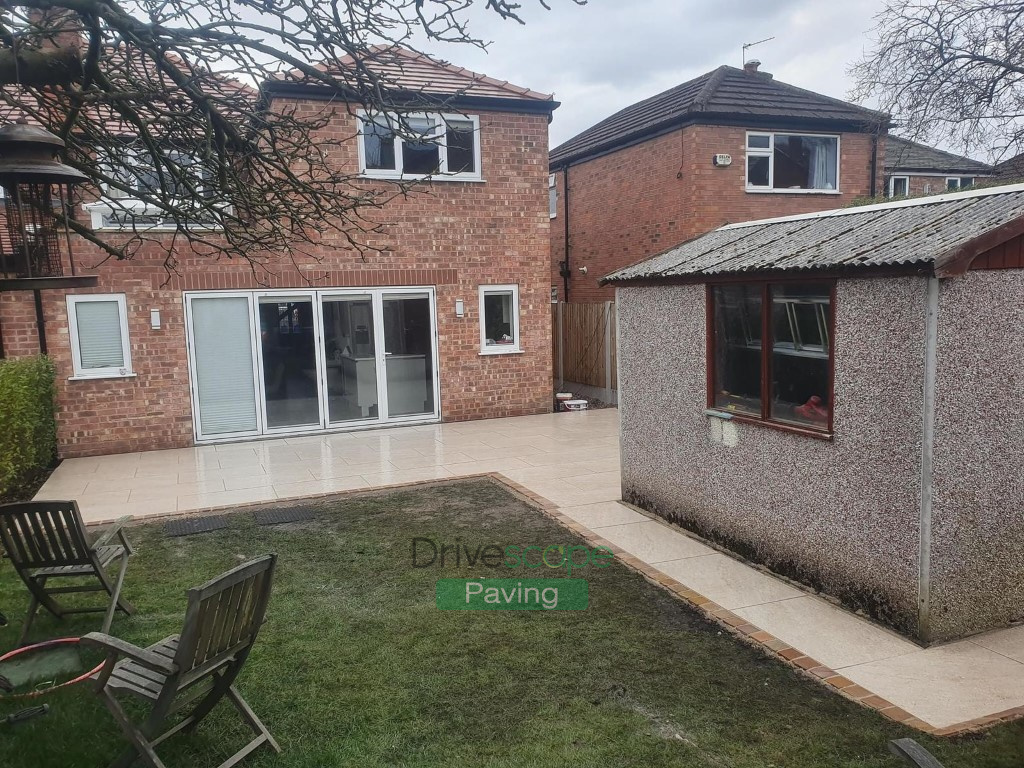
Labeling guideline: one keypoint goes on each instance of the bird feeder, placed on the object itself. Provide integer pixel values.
(37, 187)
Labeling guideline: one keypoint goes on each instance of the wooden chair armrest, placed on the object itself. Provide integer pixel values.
(116, 648)
(114, 529)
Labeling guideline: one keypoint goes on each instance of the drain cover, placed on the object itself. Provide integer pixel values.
(192, 525)
(278, 516)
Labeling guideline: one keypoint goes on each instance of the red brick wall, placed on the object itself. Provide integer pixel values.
(645, 199)
(452, 235)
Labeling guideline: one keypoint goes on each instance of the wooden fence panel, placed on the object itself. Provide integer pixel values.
(584, 344)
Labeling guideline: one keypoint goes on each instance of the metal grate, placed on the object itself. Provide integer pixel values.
(32, 231)
(279, 516)
(192, 525)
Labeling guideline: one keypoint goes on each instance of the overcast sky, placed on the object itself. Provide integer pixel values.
(608, 54)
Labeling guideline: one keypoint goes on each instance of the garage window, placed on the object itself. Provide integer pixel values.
(772, 352)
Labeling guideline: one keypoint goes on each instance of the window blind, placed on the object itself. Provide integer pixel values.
(222, 331)
(99, 334)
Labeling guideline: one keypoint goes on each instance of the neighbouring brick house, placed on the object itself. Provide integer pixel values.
(916, 169)
(833, 395)
(656, 173)
(447, 321)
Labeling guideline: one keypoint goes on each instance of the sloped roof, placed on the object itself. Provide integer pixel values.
(726, 92)
(906, 155)
(1010, 169)
(943, 231)
(401, 69)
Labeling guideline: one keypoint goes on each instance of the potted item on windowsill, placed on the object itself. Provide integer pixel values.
(812, 410)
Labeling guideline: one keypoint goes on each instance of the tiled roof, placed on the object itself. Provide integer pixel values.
(906, 155)
(929, 230)
(1011, 169)
(400, 68)
(726, 92)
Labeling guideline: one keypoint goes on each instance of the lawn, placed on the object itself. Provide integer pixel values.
(356, 666)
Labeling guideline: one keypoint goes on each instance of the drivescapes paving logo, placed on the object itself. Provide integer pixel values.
(515, 594)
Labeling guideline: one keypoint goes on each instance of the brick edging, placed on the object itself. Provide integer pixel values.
(754, 635)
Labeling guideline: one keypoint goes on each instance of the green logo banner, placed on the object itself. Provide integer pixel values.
(513, 594)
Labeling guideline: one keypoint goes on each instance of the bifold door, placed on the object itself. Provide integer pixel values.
(311, 360)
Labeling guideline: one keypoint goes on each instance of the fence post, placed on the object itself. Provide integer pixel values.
(608, 351)
(561, 349)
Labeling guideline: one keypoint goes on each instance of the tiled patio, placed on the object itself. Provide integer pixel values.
(572, 460)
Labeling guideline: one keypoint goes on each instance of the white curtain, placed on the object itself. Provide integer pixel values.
(823, 162)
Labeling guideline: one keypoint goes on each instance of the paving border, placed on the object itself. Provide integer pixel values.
(735, 625)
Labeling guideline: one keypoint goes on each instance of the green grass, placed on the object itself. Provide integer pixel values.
(357, 667)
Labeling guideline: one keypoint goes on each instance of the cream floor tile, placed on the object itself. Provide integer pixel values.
(183, 489)
(728, 582)
(238, 460)
(341, 468)
(564, 495)
(464, 468)
(192, 476)
(103, 497)
(281, 476)
(75, 467)
(531, 474)
(189, 502)
(653, 542)
(399, 476)
(1008, 642)
(834, 637)
(139, 510)
(66, 488)
(313, 487)
(603, 514)
(419, 460)
(946, 685)
(594, 479)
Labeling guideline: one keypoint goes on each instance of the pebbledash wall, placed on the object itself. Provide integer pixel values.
(641, 200)
(454, 236)
(844, 516)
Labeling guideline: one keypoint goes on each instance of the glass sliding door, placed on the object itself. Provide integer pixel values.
(409, 366)
(350, 352)
(223, 363)
(288, 350)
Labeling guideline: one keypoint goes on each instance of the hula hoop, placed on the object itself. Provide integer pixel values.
(47, 644)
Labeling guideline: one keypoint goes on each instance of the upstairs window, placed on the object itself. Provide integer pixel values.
(954, 183)
(772, 352)
(420, 146)
(789, 162)
(899, 186)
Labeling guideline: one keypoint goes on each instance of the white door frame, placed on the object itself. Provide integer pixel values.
(316, 296)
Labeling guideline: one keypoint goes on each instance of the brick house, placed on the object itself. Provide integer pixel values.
(731, 145)
(447, 321)
(916, 169)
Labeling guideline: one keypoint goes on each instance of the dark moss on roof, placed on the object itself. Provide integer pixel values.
(907, 156)
(726, 94)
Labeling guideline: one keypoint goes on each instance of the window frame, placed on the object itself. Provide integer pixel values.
(767, 344)
(552, 196)
(960, 182)
(892, 184)
(80, 373)
(769, 152)
(500, 349)
(441, 119)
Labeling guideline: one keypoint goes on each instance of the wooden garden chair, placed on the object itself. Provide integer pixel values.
(197, 667)
(46, 540)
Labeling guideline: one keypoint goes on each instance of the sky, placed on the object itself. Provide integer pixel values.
(607, 54)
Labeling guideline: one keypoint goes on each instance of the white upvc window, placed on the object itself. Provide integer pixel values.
(899, 186)
(98, 325)
(792, 163)
(499, 319)
(440, 147)
(959, 182)
(552, 196)
(136, 172)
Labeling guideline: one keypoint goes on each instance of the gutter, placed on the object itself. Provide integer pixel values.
(565, 268)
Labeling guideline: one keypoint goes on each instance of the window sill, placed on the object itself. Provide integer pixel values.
(95, 377)
(438, 177)
(817, 434)
(492, 352)
(760, 191)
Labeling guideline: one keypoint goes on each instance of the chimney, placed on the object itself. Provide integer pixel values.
(751, 66)
(57, 28)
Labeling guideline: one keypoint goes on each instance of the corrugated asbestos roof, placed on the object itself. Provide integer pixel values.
(923, 231)
(906, 155)
(724, 92)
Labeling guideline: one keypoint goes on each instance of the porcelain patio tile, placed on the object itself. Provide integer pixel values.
(829, 634)
(946, 685)
(728, 582)
(654, 542)
(313, 487)
(603, 514)
(1008, 642)
(399, 476)
(189, 502)
(162, 492)
(279, 476)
